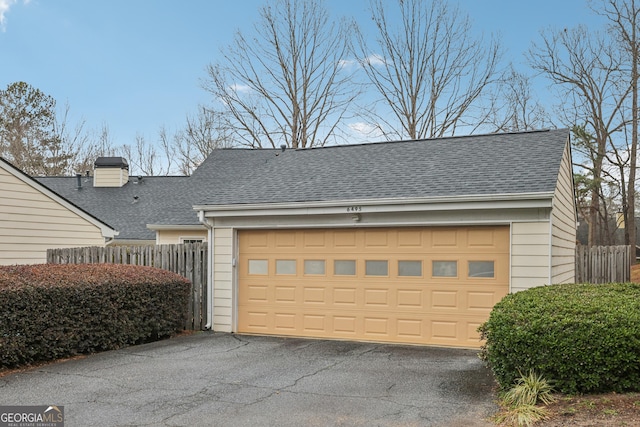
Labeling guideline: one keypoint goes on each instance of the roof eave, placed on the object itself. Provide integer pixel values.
(184, 227)
(488, 201)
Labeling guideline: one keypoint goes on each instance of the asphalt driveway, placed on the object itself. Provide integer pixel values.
(213, 379)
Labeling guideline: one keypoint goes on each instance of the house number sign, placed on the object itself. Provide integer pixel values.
(354, 208)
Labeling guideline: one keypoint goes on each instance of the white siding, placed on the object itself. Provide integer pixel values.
(529, 255)
(110, 177)
(31, 222)
(223, 280)
(563, 243)
(175, 237)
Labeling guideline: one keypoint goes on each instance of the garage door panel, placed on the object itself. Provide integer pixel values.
(257, 293)
(376, 327)
(284, 322)
(285, 294)
(314, 295)
(444, 300)
(378, 298)
(345, 325)
(477, 300)
(285, 239)
(410, 329)
(326, 291)
(314, 323)
(410, 298)
(445, 238)
(444, 329)
(344, 296)
(409, 239)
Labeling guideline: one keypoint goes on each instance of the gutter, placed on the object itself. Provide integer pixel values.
(520, 201)
(210, 236)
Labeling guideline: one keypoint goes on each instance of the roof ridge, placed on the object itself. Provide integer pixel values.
(398, 141)
(439, 138)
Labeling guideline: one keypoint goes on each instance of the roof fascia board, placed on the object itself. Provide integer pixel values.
(106, 230)
(155, 227)
(530, 200)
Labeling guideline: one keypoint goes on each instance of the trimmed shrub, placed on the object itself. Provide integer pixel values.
(584, 338)
(54, 311)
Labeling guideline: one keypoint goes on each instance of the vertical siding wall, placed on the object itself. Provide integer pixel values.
(223, 280)
(529, 255)
(31, 222)
(563, 242)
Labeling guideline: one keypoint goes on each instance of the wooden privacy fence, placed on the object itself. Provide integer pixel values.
(603, 264)
(188, 260)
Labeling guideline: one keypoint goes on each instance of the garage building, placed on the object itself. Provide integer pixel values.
(409, 241)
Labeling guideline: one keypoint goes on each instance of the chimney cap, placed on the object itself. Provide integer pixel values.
(111, 162)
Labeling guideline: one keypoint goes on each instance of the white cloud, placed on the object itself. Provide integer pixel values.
(5, 5)
(4, 8)
(375, 59)
(347, 63)
(366, 130)
(236, 87)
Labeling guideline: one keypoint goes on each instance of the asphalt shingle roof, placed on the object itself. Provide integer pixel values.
(160, 200)
(514, 163)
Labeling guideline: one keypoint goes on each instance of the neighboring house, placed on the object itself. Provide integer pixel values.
(33, 218)
(135, 203)
(410, 242)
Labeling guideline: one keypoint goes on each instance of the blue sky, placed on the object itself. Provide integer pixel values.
(137, 65)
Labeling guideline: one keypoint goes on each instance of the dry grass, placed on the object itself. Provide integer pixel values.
(603, 410)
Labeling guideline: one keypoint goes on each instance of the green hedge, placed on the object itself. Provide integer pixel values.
(53, 311)
(584, 338)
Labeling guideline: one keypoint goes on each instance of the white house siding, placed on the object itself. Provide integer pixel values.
(563, 242)
(223, 279)
(32, 222)
(174, 237)
(529, 255)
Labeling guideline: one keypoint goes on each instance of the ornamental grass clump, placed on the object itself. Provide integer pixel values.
(521, 401)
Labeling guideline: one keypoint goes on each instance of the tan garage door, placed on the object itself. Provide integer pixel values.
(417, 285)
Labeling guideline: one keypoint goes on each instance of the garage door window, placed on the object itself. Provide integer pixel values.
(376, 268)
(445, 268)
(286, 266)
(258, 266)
(344, 267)
(410, 268)
(313, 266)
(481, 269)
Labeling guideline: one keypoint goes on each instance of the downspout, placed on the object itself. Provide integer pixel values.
(210, 236)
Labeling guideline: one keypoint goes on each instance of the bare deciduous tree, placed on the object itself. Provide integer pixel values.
(287, 84)
(204, 132)
(586, 67)
(624, 24)
(145, 159)
(429, 70)
(515, 107)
